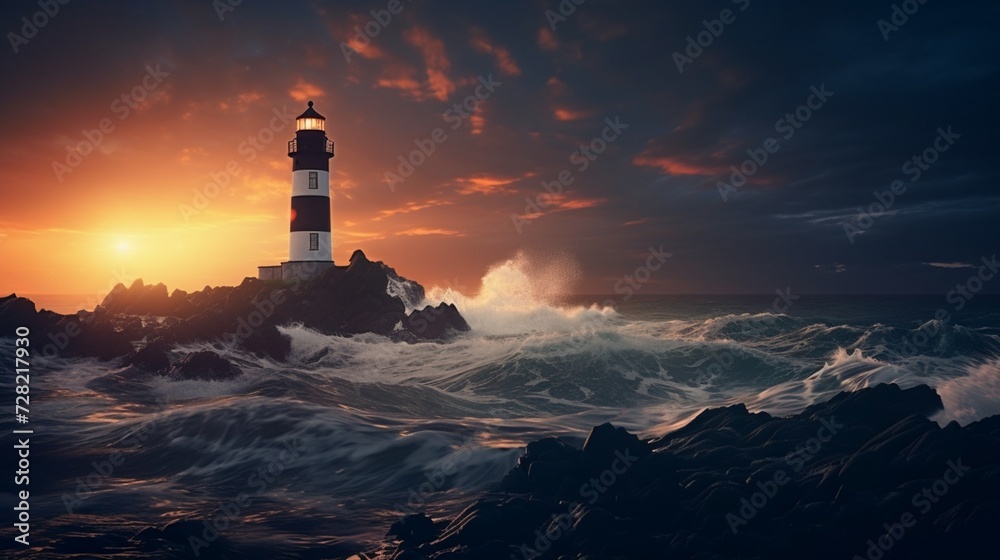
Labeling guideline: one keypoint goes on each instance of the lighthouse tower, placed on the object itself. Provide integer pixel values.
(310, 151)
(310, 246)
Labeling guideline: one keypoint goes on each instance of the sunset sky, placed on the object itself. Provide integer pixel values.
(124, 211)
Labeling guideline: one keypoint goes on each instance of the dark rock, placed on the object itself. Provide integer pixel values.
(17, 312)
(552, 451)
(736, 416)
(97, 339)
(431, 323)
(268, 341)
(153, 357)
(731, 484)
(138, 299)
(415, 528)
(350, 300)
(868, 465)
(205, 365)
(547, 477)
(877, 408)
(607, 445)
(512, 521)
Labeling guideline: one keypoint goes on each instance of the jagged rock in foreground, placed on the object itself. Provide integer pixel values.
(865, 475)
(340, 301)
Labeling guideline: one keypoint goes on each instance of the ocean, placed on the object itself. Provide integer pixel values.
(316, 457)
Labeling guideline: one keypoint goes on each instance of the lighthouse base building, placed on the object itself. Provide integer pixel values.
(310, 243)
(294, 270)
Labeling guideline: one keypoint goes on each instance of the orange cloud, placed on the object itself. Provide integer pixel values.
(304, 91)
(356, 236)
(580, 203)
(506, 63)
(562, 202)
(368, 51)
(477, 121)
(410, 207)
(436, 62)
(566, 114)
(674, 166)
(432, 231)
(547, 39)
(241, 102)
(489, 184)
(398, 77)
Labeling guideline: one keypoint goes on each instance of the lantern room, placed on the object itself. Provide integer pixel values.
(310, 120)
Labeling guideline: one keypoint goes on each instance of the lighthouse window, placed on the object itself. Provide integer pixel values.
(313, 180)
(314, 242)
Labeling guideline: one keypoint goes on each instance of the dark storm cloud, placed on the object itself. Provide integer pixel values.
(612, 59)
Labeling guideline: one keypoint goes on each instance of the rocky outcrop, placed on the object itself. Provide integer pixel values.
(139, 299)
(20, 312)
(153, 357)
(432, 323)
(863, 475)
(349, 300)
(355, 299)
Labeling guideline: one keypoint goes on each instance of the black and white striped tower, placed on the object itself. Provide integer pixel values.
(310, 238)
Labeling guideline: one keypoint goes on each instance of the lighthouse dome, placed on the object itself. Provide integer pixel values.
(310, 120)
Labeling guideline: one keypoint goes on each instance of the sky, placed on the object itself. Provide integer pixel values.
(148, 139)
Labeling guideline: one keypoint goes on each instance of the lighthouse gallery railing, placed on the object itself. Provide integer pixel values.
(293, 146)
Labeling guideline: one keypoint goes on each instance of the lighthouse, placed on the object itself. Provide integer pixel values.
(310, 244)
(311, 151)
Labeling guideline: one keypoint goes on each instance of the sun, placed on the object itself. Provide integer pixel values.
(124, 246)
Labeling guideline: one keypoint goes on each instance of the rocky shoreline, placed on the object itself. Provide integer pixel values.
(865, 475)
(139, 324)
